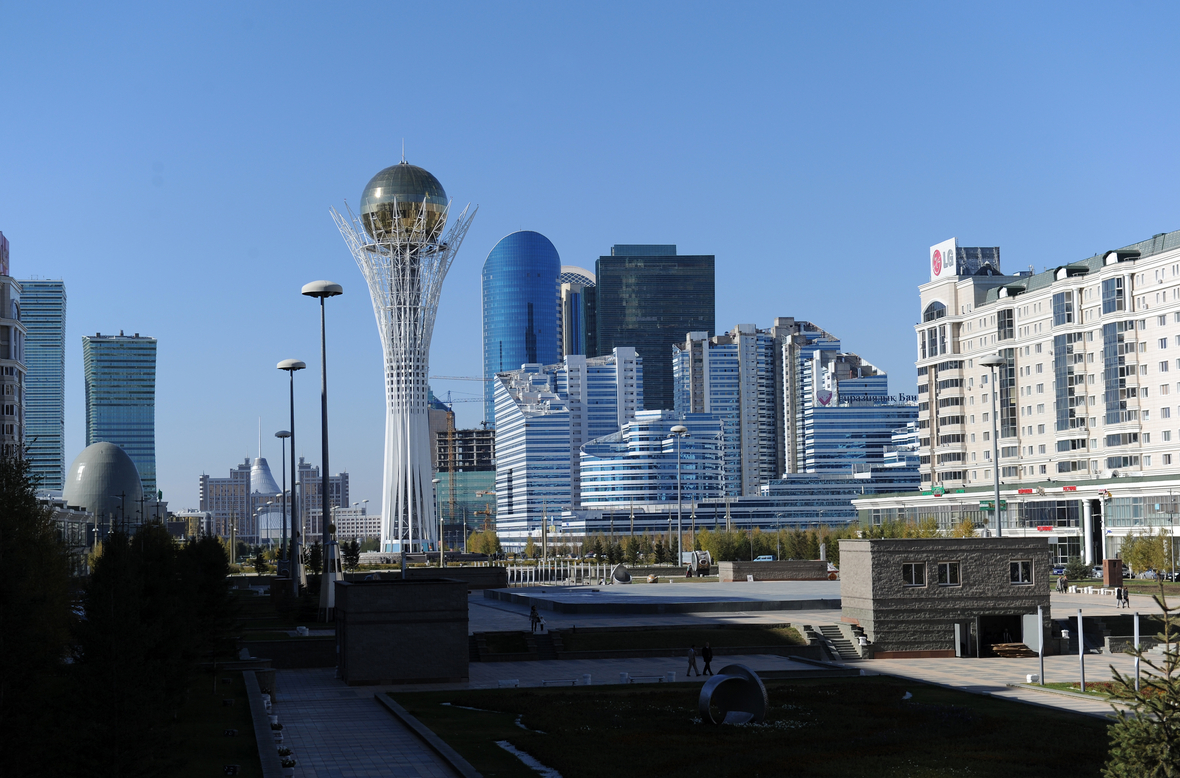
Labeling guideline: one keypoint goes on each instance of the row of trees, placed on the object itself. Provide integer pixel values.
(1148, 552)
(92, 673)
(732, 545)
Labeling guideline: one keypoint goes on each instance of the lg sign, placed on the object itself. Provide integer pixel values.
(942, 260)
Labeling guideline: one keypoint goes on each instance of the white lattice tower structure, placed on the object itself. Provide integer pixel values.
(404, 264)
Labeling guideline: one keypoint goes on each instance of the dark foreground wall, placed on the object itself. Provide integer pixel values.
(402, 631)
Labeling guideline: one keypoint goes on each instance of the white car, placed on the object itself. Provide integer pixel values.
(764, 558)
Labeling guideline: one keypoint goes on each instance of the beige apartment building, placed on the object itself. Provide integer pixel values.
(1087, 402)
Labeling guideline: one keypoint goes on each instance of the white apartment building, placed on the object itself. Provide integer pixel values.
(1088, 398)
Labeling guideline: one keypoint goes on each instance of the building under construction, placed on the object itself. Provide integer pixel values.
(466, 473)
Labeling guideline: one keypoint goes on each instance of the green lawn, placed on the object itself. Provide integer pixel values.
(200, 729)
(848, 727)
(718, 637)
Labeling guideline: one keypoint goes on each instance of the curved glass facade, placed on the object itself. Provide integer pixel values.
(521, 310)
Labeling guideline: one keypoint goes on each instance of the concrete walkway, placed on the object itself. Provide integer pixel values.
(337, 731)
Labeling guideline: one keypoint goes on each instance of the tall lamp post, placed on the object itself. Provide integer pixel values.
(282, 435)
(322, 290)
(442, 562)
(679, 431)
(993, 361)
(292, 365)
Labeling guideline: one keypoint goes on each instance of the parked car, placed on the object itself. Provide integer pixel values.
(764, 558)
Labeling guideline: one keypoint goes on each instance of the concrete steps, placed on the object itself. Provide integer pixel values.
(836, 642)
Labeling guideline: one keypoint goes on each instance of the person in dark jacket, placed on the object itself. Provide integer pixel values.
(707, 655)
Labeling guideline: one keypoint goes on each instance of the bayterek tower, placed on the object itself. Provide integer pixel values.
(403, 246)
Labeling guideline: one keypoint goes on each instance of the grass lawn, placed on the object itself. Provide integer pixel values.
(680, 638)
(200, 729)
(826, 727)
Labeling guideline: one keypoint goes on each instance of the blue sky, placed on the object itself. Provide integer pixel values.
(175, 165)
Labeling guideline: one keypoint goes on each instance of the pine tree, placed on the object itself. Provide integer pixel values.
(1145, 743)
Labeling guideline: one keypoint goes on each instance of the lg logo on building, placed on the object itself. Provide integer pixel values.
(942, 259)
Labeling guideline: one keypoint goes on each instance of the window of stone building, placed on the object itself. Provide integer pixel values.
(948, 574)
(913, 573)
(1020, 571)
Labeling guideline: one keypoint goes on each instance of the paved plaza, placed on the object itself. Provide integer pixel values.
(339, 731)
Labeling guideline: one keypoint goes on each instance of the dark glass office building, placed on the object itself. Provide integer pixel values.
(650, 298)
(521, 308)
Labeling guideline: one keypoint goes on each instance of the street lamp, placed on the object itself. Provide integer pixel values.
(291, 365)
(992, 361)
(322, 290)
(282, 435)
(442, 562)
(679, 431)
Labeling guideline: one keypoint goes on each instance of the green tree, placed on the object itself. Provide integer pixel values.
(530, 549)
(259, 563)
(659, 552)
(1143, 741)
(313, 558)
(205, 569)
(631, 551)
(35, 618)
(135, 655)
(350, 554)
(1076, 570)
(371, 544)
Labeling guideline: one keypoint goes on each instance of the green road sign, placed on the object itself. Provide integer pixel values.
(990, 505)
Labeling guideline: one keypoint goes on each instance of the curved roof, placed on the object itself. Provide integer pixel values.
(103, 479)
(572, 274)
(406, 182)
(261, 479)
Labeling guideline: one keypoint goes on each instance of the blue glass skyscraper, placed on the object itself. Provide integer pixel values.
(121, 398)
(521, 310)
(43, 310)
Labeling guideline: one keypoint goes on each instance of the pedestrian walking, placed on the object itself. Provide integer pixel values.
(692, 661)
(534, 618)
(1125, 597)
(707, 655)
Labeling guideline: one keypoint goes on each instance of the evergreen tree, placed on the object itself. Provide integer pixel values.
(350, 554)
(1144, 742)
(35, 617)
(259, 563)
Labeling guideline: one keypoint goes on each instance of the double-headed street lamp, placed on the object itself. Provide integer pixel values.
(994, 361)
(292, 365)
(679, 431)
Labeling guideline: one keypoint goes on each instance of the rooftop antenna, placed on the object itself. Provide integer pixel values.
(403, 150)
(260, 437)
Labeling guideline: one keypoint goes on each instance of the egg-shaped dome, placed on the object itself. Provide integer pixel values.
(105, 482)
(402, 192)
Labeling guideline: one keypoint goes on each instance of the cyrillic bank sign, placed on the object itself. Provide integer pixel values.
(943, 260)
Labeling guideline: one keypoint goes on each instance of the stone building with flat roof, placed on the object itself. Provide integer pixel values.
(945, 597)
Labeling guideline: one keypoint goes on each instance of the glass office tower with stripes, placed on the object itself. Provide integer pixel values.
(43, 311)
(121, 398)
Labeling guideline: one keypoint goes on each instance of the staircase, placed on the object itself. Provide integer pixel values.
(545, 647)
(837, 644)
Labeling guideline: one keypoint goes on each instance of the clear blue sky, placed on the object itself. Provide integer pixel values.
(175, 165)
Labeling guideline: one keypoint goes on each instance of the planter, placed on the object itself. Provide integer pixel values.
(278, 733)
(288, 772)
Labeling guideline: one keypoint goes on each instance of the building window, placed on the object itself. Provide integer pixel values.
(1004, 324)
(1167, 459)
(913, 573)
(1112, 295)
(948, 574)
(1020, 571)
(1062, 308)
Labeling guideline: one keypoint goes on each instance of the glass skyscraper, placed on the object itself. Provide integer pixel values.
(650, 298)
(121, 398)
(578, 333)
(521, 308)
(43, 311)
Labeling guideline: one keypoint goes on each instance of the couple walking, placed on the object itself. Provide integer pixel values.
(706, 655)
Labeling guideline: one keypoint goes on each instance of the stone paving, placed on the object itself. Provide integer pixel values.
(337, 731)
